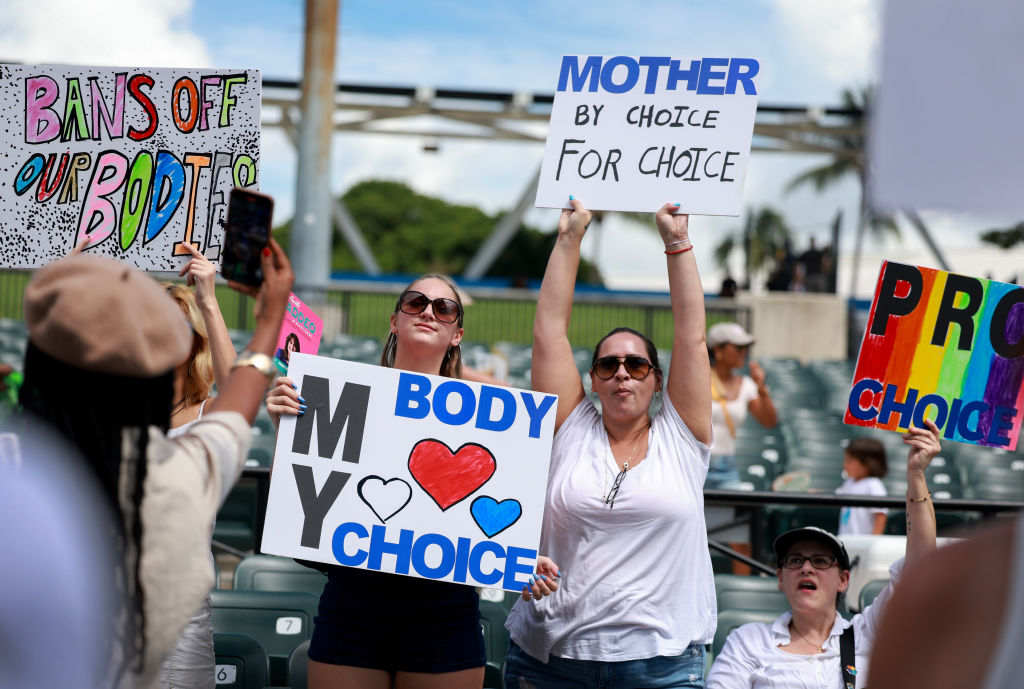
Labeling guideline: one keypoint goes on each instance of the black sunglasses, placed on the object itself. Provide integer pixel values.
(636, 366)
(445, 310)
(817, 561)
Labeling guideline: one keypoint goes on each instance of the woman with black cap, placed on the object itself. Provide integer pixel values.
(805, 646)
(104, 340)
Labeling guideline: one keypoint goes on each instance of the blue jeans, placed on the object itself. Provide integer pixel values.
(523, 671)
(721, 469)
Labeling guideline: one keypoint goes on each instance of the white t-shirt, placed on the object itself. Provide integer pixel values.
(752, 659)
(860, 520)
(724, 443)
(636, 579)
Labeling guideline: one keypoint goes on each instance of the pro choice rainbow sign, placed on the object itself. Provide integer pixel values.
(943, 345)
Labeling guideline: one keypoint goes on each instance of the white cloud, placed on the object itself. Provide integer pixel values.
(101, 32)
(839, 39)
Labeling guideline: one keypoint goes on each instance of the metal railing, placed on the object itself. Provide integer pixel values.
(496, 314)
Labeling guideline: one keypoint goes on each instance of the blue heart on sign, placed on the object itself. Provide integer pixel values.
(492, 516)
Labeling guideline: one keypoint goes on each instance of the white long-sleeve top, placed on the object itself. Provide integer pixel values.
(752, 659)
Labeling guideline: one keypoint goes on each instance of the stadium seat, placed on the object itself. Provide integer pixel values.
(492, 622)
(241, 662)
(767, 600)
(298, 667)
(279, 621)
(273, 573)
(869, 591)
(236, 519)
(729, 620)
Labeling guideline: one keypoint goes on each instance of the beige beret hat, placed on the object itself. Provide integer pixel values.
(103, 316)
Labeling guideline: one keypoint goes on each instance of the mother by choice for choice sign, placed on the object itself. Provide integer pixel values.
(632, 133)
(412, 474)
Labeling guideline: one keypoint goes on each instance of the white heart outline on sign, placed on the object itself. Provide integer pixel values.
(378, 496)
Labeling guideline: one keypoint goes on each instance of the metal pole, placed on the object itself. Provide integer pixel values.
(311, 224)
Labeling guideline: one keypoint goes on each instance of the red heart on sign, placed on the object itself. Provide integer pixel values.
(446, 476)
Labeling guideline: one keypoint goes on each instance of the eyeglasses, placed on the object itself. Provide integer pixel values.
(609, 499)
(445, 310)
(636, 366)
(817, 561)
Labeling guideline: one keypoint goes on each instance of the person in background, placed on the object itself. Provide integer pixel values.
(191, 665)
(865, 467)
(804, 646)
(733, 395)
(104, 340)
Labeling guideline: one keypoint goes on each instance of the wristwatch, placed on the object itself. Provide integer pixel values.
(259, 361)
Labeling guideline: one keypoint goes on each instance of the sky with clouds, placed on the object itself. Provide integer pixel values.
(809, 51)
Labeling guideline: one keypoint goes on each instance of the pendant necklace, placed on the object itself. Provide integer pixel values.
(820, 647)
(625, 468)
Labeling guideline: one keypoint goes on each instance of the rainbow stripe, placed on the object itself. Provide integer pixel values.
(975, 394)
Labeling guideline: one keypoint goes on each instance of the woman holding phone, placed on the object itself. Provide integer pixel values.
(378, 630)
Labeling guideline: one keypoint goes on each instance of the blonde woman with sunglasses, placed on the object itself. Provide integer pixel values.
(376, 630)
(625, 513)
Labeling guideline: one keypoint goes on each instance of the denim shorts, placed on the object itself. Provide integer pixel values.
(523, 671)
(395, 623)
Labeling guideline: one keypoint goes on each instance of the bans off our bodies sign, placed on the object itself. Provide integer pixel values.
(420, 475)
(137, 159)
(632, 133)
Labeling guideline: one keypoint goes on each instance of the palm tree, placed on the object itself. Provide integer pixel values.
(766, 233)
(848, 157)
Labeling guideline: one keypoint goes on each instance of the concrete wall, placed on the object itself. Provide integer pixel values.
(800, 325)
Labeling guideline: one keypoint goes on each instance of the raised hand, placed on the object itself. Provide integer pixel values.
(200, 272)
(672, 227)
(924, 445)
(573, 223)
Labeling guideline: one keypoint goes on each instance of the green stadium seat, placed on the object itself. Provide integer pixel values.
(241, 662)
(737, 599)
(729, 620)
(236, 519)
(298, 667)
(492, 623)
(280, 621)
(869, 591)
(273, 573)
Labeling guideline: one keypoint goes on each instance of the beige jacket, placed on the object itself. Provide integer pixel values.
(187, 480)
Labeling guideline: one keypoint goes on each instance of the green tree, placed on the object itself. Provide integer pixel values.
(410, 232)
(769, 233)
(849, 158)
(1005, 238)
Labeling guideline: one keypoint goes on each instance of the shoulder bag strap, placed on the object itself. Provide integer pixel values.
(718, 395)
(847, 658)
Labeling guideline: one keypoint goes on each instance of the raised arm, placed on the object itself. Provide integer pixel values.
(761, 407)
(553, 369)
(924, 445)
(202, 273)
(689, 376)
(243, 392)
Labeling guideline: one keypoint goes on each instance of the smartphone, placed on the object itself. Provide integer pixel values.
(246, 235)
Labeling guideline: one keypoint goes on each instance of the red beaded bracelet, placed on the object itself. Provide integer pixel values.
(679, 251)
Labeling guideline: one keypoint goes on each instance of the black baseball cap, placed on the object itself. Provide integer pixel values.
(812, 533)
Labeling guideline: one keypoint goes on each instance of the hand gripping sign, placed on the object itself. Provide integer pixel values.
(945, 346)
(629, 133)
(411, 474)
(138, 160)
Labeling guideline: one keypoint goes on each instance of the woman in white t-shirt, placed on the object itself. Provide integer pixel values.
(624, 519)
(865, 466)
(732, 396)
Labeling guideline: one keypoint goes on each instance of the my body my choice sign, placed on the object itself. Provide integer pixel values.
(137, 159)
(632, 133)
(412, 474)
